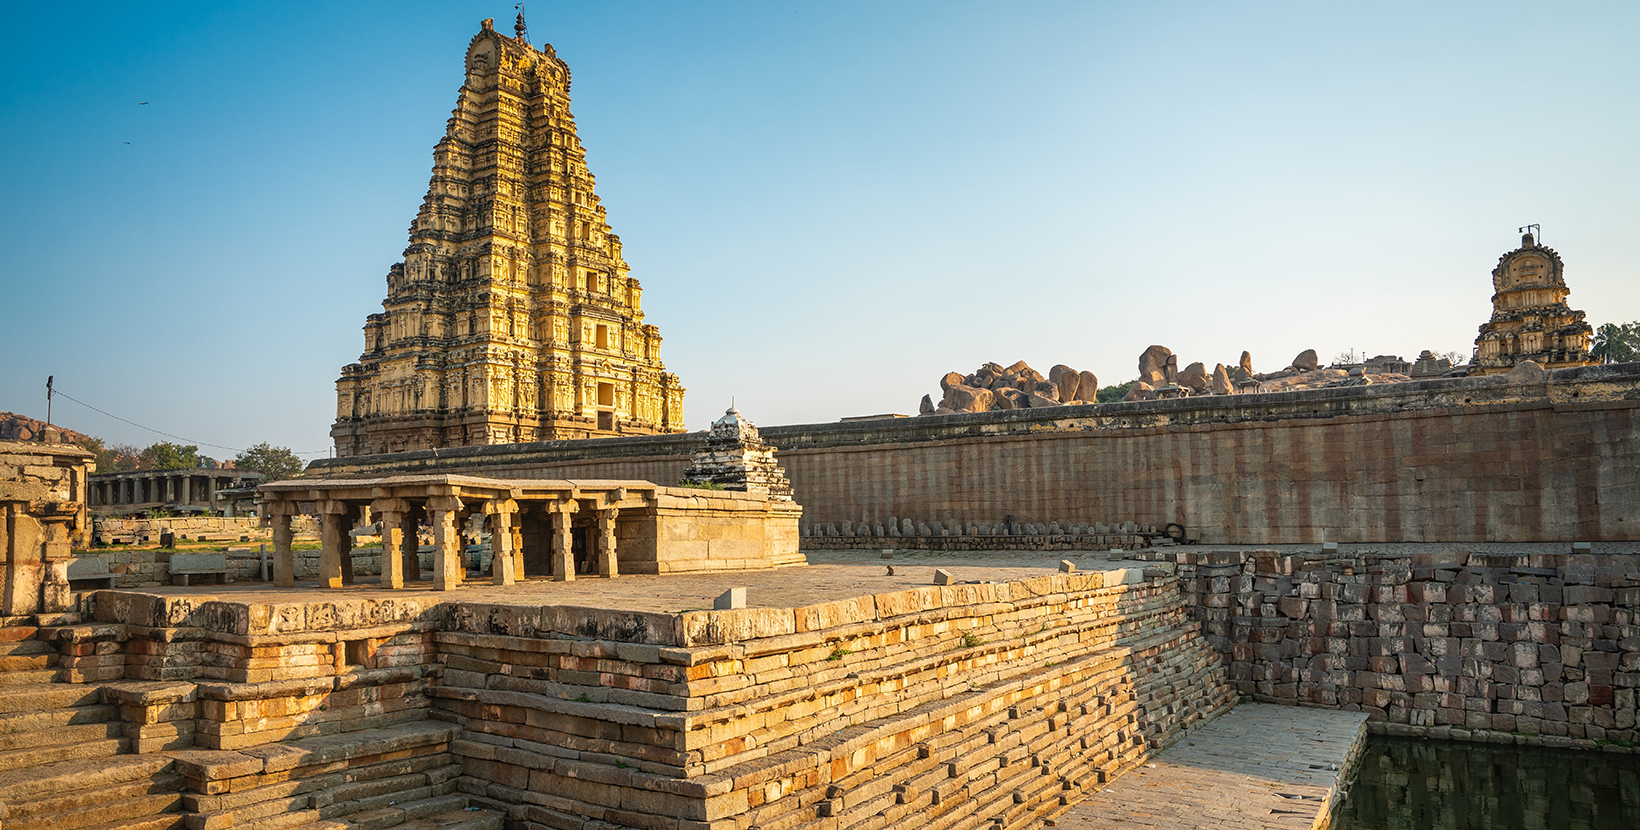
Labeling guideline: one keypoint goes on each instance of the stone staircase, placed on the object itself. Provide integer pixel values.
(71, 760)
(371, 779)
(64, 757)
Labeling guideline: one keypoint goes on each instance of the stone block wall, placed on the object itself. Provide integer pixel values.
(1540, 648)
(711, 530)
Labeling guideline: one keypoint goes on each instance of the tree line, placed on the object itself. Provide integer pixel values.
(274, 462)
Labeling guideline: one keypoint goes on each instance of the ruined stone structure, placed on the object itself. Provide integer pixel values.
(42, 518)
(1530, 317)
(512, 317)
(176, 491)
(737, 458)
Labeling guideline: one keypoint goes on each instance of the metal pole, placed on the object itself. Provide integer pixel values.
(49, 379)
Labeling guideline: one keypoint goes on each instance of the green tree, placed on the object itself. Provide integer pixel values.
(1617, 343)
(1111, 394)
(277, 463)
(164, 455)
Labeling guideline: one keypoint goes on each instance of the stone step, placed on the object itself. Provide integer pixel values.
(283, 821)
(102, 805)
(452, 815)
(43, 719)
(163, 821)
(30, 677)
(63, 734)
(36, 697)
(64, 776)
(26, 648)
(40, 755)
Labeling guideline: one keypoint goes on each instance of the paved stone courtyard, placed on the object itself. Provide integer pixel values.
(1260, 765)
(672, 593)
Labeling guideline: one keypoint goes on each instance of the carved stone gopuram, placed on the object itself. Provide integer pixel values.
(512, 317)
(1530, 317)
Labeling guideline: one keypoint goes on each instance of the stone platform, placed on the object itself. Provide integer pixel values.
(1261, 765)
(841, 696)
(833, 576)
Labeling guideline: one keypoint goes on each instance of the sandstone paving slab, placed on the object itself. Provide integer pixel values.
(674, 593)
(1258, 766)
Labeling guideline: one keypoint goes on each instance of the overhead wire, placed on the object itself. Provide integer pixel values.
(59, 391)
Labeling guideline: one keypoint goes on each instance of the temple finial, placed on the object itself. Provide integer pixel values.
(519, 25)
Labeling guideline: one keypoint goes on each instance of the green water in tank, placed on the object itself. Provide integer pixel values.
(1412, 784)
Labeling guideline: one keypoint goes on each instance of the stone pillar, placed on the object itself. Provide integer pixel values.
(393, 513)
(330, 542)
(210, 492)
(125, 491)
(187, 489)
(411, 554)
(563, 551)
(55, 595)
(20, 541)
(284, 561)
(447, 565)
(136, 491)
(503, 567)
(517, 547)
(608, 565)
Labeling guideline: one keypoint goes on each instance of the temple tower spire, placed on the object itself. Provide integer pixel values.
(512, 316)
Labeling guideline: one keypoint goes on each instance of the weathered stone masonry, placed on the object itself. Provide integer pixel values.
(1539, 648)
(961, 705)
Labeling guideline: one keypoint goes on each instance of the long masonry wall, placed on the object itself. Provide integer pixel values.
(1519, 457)
(1541, 648)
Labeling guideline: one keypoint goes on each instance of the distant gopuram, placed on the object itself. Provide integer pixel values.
(1530, 317)
(512, 317)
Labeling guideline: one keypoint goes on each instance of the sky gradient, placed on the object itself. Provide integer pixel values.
(829, 205)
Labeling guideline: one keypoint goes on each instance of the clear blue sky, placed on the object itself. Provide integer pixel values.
(829, 204)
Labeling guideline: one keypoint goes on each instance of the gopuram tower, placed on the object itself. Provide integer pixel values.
(512, 317)
(1530, 317)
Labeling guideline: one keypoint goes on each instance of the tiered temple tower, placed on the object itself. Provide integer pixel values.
(512, 317)
(1530, 317)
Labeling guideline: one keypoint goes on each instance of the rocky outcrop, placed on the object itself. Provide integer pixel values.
(994, 386)
(14, 427)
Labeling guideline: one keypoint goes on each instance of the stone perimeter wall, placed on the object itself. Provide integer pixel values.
(1540, 649)
(1520, 457)
(962, 706)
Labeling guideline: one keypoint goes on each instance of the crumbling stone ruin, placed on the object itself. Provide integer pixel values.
(737, 458)
(42, 519)
(1530, 317)
(1015, 387)
(512, 317)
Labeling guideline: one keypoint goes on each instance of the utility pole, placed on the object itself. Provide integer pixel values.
(49, 379)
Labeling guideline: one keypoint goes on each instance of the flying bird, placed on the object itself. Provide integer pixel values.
(142, 103)
(127, 142)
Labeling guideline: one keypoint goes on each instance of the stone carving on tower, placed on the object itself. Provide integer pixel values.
(1530, 317)
(512, 317)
